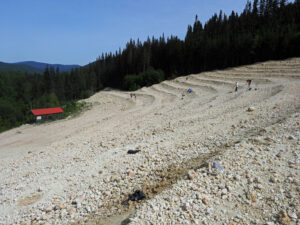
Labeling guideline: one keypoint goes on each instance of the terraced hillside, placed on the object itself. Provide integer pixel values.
(77, 170)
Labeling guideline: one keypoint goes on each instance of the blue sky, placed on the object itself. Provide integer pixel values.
(78, 31)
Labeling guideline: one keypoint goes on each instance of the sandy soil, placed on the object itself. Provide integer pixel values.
(78, 169)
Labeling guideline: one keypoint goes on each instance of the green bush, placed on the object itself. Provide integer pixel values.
(74, 108)
(151, 76)
(131, 82)
(85, 94)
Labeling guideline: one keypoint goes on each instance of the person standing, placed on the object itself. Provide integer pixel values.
(236, 86)
(249, 84)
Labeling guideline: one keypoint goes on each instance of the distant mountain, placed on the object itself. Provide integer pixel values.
(19, 67)
(34, 67)
(42, 66)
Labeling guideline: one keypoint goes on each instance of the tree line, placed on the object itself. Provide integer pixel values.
(266, 29)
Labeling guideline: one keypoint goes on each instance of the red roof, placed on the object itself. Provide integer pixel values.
(39, 112)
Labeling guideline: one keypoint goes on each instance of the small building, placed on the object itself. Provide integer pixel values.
(47, 113)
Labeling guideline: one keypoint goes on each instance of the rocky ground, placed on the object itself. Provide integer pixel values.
(209, 157)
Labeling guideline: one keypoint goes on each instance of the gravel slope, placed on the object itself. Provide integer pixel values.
(78, 171)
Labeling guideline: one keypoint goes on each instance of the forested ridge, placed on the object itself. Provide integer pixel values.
(266, 29)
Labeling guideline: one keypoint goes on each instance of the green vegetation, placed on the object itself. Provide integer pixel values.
(19, 93)
(74, 108)
(150, 76)
(265, 30)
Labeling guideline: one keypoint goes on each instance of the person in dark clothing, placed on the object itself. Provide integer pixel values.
(249, 84)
